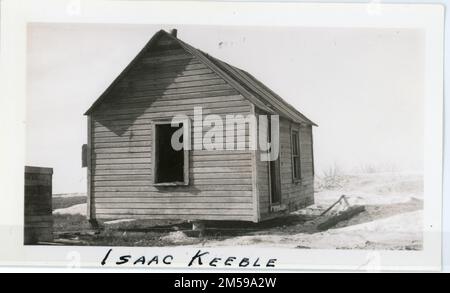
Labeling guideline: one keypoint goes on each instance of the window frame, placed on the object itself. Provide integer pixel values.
(296, 131)
(154, 168)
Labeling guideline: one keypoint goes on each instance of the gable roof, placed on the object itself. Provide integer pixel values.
(247, 85)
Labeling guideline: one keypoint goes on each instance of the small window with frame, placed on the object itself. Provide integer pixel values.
(296, 162)
(170, 163)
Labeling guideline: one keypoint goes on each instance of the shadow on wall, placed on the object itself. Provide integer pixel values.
(153, 76)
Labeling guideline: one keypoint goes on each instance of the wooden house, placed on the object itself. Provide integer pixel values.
(134, 173)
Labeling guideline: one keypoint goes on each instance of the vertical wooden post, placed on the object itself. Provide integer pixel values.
(89, 214)
(254, 158)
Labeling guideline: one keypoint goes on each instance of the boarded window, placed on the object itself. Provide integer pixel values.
(170, 162)
(296, 155)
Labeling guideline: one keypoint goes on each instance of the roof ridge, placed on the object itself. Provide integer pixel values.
(249, 86)
(262, 94)
(275, 95)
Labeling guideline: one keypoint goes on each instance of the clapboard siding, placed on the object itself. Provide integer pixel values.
(169, 114)
(129, 210)
(161, 85)
(171, 78)
(185, 216)
(175, 205)
(177, 194)
(294, 195)
(175, 200)
(219, 100)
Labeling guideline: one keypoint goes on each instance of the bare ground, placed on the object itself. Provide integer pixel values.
(392, 220)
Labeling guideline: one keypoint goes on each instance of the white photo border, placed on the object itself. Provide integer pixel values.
(16, 14)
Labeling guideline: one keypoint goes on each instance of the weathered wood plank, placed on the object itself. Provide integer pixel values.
(176, 216)
(216, 169)
(140, 103)
(195, 182)
(176, 97)
(164, 74)
(111, 161)
(107, 145)
(104, 172)
(146, 87)
(157, 80)
(224, 156)
(113, 139)
(172, 199)
(220, 164)
(180, 212)
(143, 177)
(197, 189)
(122, 167)
(127, 133)
(175, 206)
(197, 155)
(168, 108)
(182, 90)
(221, 181)
(140, 74)
(169, 115)
(123, 150)
(214, 195)
(218, 175)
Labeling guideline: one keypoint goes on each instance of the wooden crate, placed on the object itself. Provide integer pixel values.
(38, 221)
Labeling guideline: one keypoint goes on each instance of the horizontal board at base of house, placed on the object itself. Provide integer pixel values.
(224, 206)
(172, 199)
(215, 195)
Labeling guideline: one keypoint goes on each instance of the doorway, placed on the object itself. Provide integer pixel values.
(274, 173)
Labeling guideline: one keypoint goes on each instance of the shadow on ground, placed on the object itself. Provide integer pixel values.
(75, 229)
(378, 212)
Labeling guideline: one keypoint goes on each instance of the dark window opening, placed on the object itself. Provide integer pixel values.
(274, 168)
(169, 162)
(296, 155)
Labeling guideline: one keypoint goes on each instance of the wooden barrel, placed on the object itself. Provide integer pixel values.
(38, 225)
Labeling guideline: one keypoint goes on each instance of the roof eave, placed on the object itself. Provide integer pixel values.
(291, 114)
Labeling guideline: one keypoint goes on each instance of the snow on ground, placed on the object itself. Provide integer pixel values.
(175, 237)
(78, 209)
(66, 195)
(399, 232)
(118, 221)
(392, 219)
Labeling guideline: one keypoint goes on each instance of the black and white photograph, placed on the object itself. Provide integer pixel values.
(350, 178)
(213, 137)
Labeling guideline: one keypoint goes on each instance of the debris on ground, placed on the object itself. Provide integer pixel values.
(378, 211)
(339, 211)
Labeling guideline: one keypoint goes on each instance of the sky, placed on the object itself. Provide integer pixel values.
(364, 87)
